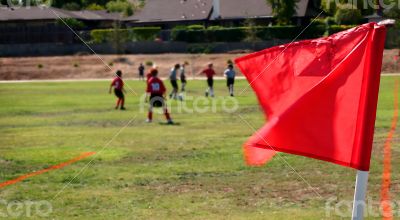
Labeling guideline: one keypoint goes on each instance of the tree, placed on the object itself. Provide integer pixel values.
(119, 37)
(365, 7)
(348, 14)
(283, 10)
(124, 6)
(120, 6)
(102, 3)
(72, 6)
(95, 7)
(251, 31)
(71, 22)
(66, 3)
(393, 12)
(392, 37)
(20, 3)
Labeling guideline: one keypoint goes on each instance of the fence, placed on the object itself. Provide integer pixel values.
(51, 49)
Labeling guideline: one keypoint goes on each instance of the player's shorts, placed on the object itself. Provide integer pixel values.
(157, 100)
(230, 81)
(174, 84)
(119, 93)
(183, 79)
(210, 82)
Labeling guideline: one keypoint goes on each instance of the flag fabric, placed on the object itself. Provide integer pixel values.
(319, 97)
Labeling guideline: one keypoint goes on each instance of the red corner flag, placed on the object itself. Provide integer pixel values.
(319, 96)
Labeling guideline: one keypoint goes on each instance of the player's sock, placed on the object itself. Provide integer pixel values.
(150, 116)
(122, 104)
(167, 116)
(117, 104)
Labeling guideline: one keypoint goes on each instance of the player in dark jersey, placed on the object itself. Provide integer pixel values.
(141, 71)
(156, 91)
(118, 85)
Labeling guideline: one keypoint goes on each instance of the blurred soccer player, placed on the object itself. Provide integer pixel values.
(141, 71)
(230, 78)
(118, 85)
(156, 91)
(149, 74)
(209, 72)
(173, 79)
(183, 76)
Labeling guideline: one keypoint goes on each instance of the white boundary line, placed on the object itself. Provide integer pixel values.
(126, 79)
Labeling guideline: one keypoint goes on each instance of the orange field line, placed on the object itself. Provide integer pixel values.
(58, 166)
(385, 187)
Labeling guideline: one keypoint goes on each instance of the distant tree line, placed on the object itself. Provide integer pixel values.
(127, 7)
(341, 12)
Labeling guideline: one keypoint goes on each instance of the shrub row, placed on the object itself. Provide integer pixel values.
(197, 34)
(125, 35)
(338, 28)
(236, 34)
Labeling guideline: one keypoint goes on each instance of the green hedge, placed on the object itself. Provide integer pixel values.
(238, 34)
(100, 36)
(125, 35)
(196, 27)
(216, 33)
(110, 35)
(338, 28)
(145, 33)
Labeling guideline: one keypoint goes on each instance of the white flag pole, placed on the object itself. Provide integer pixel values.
(359, 195)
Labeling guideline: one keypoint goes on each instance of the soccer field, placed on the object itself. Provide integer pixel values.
(192, 170)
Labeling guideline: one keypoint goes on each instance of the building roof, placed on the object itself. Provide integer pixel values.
(49, 13)
(94, 15)
(159, 11)
(31, 13)
(173, 10)
(233, 9)
(181, 10)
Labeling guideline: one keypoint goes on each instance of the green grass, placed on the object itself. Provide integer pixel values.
(194, 170)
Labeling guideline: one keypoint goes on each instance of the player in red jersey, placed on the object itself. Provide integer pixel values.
(156, 90)
(209, 72)
(149, 74)
(118, 85)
